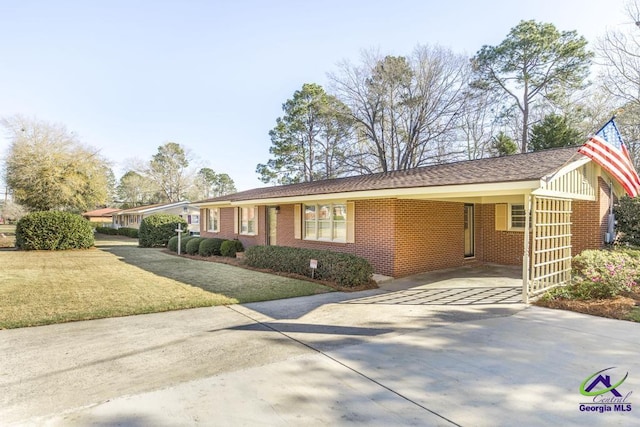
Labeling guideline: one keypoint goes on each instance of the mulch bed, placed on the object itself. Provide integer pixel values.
(238, 262)
(614, 308)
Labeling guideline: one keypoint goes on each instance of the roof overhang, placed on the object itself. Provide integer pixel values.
(459, 192)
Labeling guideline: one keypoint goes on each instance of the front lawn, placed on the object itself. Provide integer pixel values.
(119, 279)
(7, 236)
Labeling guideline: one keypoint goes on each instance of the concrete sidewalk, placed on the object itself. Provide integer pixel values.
(319, 360)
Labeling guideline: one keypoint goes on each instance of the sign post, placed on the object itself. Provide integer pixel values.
(179, 230)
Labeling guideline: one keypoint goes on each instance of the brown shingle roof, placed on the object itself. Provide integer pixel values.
(517, 167)
(105, 212)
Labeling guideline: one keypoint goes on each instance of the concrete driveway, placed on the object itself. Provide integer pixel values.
(330, 359)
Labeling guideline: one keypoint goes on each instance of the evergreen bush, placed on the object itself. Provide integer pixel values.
(107, 230)
(210, 246)
(343, 269)
(53, 230)
(172, 244)
(183, 243)
(157, 229)
(129, 232)
(193, 245)
(228, 248)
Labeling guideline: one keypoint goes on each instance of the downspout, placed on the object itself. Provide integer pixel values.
(609, 236)
(525, 256)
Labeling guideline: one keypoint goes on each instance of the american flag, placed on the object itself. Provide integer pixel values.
(607, 149)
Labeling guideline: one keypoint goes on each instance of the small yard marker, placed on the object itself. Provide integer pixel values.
(313, 264)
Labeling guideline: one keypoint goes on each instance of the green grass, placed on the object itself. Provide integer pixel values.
(634, 314)
(119, 279)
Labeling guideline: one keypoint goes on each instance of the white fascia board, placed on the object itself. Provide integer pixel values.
(222, 204)
(163, 207)
(565, 169)
(439, 192)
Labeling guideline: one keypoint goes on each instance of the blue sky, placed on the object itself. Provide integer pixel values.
(128, 76)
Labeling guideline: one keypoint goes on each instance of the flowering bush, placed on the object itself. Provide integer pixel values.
(601, 274)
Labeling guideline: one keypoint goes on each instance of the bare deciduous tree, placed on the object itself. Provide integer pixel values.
(405, 109)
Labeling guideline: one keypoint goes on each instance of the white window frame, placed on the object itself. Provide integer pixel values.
(213, 226)
(195, 219)
(244, 230)
(511, 217)
(331, 222)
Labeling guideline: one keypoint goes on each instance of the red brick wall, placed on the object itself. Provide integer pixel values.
(499, 247)
(589, 221)
(226, 227)
(374, 224)
(429, 236)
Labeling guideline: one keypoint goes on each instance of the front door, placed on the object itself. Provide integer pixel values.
(272, 225)
(469, 244)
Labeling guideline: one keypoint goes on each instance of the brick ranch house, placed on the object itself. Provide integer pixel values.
(436, 217)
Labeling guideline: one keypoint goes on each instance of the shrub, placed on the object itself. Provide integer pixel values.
(210, 246)
(172, 244)
(129, 232)
(193, 245)
(156, 230)
(602, 274)
(228, 248)
(344, 269)
(53, 230)
(183, 243)
(107, 230)
(627, 213)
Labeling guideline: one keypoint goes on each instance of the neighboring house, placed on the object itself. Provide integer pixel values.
(134, 216)
(101, 217)
(435, 217)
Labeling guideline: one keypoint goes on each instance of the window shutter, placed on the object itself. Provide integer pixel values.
(235, 220)
(502, 216)
(188, 219)
(255, 220)
(351, 214)
(297, 221)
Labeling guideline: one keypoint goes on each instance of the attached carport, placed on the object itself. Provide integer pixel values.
(480, 284)
(549, 215)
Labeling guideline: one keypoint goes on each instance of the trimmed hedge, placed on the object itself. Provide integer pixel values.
(172, 244)
(193, 245)
(129, 232)
(229, 248)
(107, 230)
(52, 230)
(157, 229)
(210, 246)
(183, 243)
(122, 231)
(344, 269)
